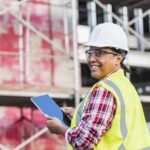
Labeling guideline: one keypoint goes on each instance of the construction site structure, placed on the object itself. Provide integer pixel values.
(42, 51)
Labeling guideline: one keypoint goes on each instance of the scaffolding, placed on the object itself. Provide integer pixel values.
(24, 54)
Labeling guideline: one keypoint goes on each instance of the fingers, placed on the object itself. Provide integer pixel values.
(53, 120)
(63, 109)
(48, 117)
(67, 109)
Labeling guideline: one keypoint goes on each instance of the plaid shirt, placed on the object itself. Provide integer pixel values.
(95, 121)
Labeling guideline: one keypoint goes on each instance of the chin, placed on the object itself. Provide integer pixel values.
(96, 76)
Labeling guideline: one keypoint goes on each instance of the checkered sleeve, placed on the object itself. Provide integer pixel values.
(95, 120)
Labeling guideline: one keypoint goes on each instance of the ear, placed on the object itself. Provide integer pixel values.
(118, 59)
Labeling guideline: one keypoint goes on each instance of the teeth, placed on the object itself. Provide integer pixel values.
(94, 66)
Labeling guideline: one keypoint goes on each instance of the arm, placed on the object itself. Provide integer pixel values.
(96, 119)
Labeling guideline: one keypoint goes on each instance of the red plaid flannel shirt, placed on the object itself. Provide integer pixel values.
(95, 121)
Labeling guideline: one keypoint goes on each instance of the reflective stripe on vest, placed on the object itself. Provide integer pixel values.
(121, 147)
(147, 148)
(79, 112)
(123, 127)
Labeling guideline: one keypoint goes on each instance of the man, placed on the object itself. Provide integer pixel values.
(111, 116)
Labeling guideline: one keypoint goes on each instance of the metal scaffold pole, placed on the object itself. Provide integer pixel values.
(66, 30)
(32, 138)
(21, 48)
(2, 147)
(76, 60)
(28, 45)
(91, 11)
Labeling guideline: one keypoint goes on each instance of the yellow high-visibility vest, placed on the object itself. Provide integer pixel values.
(128, 130)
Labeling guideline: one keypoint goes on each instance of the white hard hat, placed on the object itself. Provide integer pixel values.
(108, 35)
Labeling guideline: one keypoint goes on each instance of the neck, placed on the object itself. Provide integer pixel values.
(115, 70)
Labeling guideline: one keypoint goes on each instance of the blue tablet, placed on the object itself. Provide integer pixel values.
(49, 108)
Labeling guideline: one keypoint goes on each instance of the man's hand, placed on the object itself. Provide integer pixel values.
(69, 111)
(55, 126)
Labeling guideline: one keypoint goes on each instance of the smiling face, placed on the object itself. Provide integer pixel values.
(102, 61)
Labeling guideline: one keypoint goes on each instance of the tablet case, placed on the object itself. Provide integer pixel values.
(48, 107)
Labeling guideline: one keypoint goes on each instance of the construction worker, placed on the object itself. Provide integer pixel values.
(111, 116)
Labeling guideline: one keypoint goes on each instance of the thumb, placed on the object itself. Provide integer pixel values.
(48, 117)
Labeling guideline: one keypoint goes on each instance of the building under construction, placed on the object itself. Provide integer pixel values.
(42, 51)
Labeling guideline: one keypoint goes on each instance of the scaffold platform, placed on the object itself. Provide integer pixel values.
(19, 95)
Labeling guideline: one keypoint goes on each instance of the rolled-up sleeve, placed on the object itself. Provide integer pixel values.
(95, 120)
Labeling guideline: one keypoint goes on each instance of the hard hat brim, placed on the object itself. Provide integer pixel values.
(100, 45)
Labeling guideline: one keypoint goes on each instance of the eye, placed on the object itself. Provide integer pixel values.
(88, 53)
(98, 53)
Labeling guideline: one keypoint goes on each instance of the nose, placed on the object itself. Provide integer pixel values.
(91, 57)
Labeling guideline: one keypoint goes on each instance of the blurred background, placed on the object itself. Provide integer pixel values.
(41, 51)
